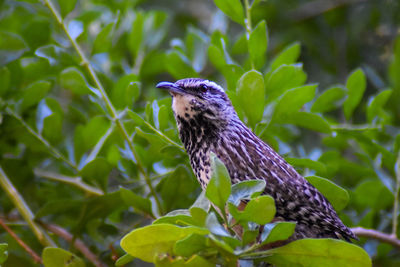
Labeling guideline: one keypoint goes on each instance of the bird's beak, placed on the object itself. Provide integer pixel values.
(171, 87)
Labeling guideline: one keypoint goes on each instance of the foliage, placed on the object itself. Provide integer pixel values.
(92, 146)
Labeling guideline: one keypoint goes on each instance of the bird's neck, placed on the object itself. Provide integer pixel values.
(234, 144)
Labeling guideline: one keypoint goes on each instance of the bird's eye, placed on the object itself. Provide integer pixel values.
(203, 88)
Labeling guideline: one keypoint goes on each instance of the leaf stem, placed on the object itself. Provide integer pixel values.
(53, 150)
(396, 198)
(24, 209)
(248, 25)
(163, 136)
(75, 181)
(86, 64)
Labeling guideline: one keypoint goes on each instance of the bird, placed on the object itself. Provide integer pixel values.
(208, 123)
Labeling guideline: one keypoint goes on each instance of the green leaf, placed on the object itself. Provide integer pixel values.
(12, 47)
(319, 252)
(126, 91)
(137, 202)
(245, 190)
(231, 8)
(57, 257)
(356, 84)
(3, 252)
(34, 93)
(251, 95)
(319, 167)
(310, 121)
(219, 186)
(277, 231)
(147, 242)
(177, 217)
(55, 55)
(288, 56)
(292, 101)
(260, 210)
(72, 79)
(190, 245)
(214, 226)
(194, 261)
(329, 99)
(135, 38)
(179, 65)
(139, 121)
(4, 80)
(66, 6)
(375, 108)
(336, 195)
(258, 43)
(123, 260)
(373, 194)
(103, 40)
(283, 78)
(97, 172)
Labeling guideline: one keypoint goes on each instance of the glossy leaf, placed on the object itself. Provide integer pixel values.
(147, 242)
(57, 257)
(103, 40)
(136, 201)
(190, 245)
(356, 84)
(123, 260)
(319, 252)
(219, 186)
(273, 232)
(260, 210)
(178, 65)
(336, 195)
(258, 43)
(34, 93)
(72, 79)
(3, 252)
(12, 47)
(288, 56)
(375, 108)
(251, 94)
(245, 190)
(231, 8)
(283, 78)
(329, 99)
(66, 6)
(292, 101)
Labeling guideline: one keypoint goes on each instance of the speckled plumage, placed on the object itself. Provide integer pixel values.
(207, 122)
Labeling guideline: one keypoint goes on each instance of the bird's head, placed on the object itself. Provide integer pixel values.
(199, 99)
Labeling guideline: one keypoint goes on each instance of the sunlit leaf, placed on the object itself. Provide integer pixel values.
(232, 9)
(356, 84)
(57, 257)
(288, 56)
(147, 242)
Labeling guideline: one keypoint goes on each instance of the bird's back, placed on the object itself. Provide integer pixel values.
(248, 157)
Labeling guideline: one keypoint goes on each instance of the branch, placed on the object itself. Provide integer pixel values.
(374, 234)
(396, 198)
(36, 257)
(24, 209)
(78, 244)
(39, 137)
(111, 109)
(75, 181)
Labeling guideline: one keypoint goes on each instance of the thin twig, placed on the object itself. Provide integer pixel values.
(78, 244)
(374, 234)
(41, 139)
(86, 64)
(75, 181)
(36, 258)
(163, 136)
(396, 198)
(24, 210)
